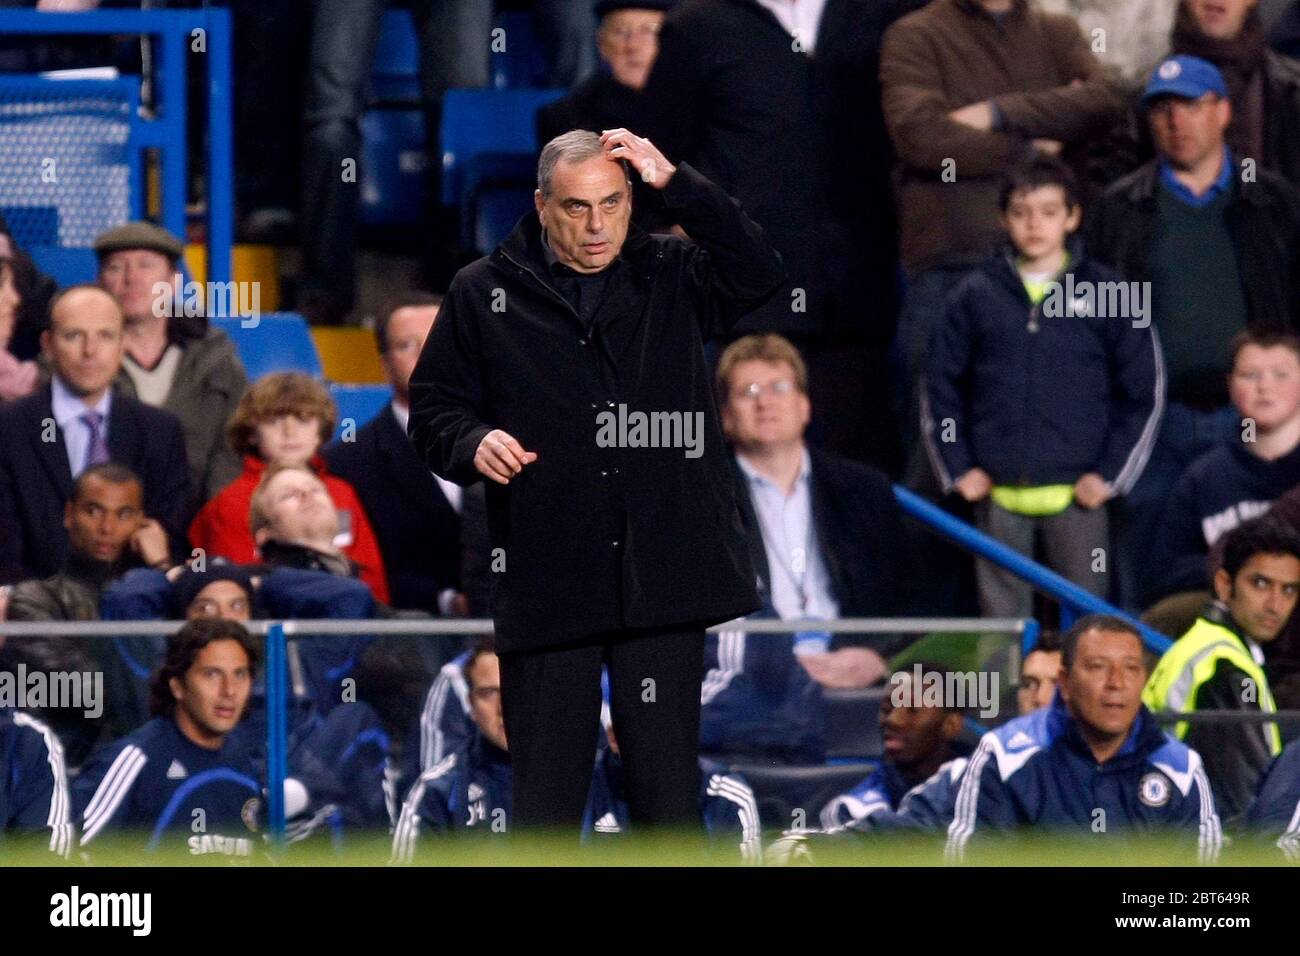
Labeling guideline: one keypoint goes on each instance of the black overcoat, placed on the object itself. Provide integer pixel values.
(597, 536)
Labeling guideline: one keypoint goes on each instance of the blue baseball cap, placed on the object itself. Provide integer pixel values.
(1187, 77)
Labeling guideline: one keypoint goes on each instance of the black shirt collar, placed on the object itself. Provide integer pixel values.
(558, 269)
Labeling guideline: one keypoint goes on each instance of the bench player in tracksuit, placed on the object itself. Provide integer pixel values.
(34, 799)
(181, 779)
(340, 752)
(915, 784)
(1093, 763)
(1276, 810)
(445, 726)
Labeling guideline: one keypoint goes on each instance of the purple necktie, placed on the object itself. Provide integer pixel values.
(97, 453)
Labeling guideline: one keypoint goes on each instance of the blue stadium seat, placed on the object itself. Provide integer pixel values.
(68, 265)
(487, 134)
(395, 74)
(497, 211)
(489, 143)
(279, 342)
(393, 160)
(522, 62)
(358, 404)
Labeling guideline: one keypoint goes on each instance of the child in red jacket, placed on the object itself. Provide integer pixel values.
(284, 419)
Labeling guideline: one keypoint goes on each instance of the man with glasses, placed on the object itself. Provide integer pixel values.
(823, 530)
(628, 38)
(1218, 240)
(823, 535)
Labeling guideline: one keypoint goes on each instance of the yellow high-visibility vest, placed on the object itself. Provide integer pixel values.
(1191, 662)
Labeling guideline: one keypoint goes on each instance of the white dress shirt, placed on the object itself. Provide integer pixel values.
(801, 19)
(453, 492)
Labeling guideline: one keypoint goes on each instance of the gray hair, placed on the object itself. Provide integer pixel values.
(575, 146)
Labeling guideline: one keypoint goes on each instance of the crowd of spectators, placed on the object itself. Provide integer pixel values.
(1043, 265)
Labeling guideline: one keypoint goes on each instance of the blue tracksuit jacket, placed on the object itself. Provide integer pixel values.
(1037, 770)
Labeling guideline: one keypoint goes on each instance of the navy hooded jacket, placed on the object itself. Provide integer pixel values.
(1036, 398)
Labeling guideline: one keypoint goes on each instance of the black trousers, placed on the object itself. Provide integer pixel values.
(551, 703)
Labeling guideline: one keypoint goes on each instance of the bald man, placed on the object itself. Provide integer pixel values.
(76, 421)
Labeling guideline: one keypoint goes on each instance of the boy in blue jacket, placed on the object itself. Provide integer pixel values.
(1044, 390)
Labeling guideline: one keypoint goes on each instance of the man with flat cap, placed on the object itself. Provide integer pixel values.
(568, 369)
(172, 361)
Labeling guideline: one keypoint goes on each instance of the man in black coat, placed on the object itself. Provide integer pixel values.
(783, 112)
(77, 420)
(415, 514)
(568, 368)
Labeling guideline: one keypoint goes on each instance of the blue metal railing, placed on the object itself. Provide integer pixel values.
(176, 32)
(277, 730)
(1074, 600)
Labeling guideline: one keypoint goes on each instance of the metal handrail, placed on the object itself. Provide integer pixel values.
(438, 625)
(1074, 600)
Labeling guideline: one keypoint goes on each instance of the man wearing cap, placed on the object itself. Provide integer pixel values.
(1217, 238)
(1264, 85)
(628, 37)
(172, 360)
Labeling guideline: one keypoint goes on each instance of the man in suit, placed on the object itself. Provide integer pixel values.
(74, 422)
(416, 515)
(779, 103)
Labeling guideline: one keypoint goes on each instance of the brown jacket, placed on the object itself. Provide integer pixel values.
(1044, 82)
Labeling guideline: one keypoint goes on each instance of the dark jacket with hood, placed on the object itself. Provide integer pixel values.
(1041, 394)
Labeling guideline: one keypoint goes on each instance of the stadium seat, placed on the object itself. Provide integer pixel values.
(278, 342)
(249, 262)
(497, 211)
(393, 162)
(349, 354)
(853, 724)
(489, 142)
(395, 75)
(358, 404)
(782, 791)
(520, 63)
(67, 265)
